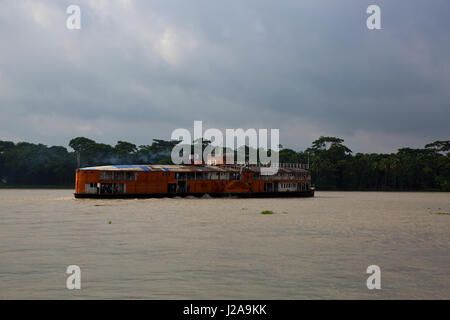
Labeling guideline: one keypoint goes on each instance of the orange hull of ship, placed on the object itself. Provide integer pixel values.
(156, 182)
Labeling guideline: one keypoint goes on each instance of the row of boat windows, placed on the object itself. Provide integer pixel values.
(288, 185)
(131, 176)
(105, 188)
(117, 176)
(207, 176)
(296, 186)
(284, 176)
(285, 186)
(237, 176)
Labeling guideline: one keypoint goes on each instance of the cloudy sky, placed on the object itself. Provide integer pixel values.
(139, 69)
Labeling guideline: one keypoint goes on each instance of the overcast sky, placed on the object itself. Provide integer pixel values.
(139, 69)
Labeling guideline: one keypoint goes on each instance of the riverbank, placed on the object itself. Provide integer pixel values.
(3, 186)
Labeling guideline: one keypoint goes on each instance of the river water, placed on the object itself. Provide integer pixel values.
(311, 248)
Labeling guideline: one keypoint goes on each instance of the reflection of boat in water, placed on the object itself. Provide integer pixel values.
(146, 181)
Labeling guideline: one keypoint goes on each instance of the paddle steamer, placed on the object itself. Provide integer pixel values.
(147, 181)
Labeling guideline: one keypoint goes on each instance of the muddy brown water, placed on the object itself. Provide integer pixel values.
(311, 248)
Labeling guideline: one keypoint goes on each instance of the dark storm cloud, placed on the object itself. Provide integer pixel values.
(139, 69)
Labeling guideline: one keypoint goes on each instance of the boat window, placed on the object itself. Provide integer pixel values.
(112, 188)
(190, 176)
(118, 176)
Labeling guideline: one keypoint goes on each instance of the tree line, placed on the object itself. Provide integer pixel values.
(333, 165)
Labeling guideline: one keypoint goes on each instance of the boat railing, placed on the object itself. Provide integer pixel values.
(259, 165)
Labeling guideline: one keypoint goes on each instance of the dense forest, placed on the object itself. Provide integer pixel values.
(333, 165)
